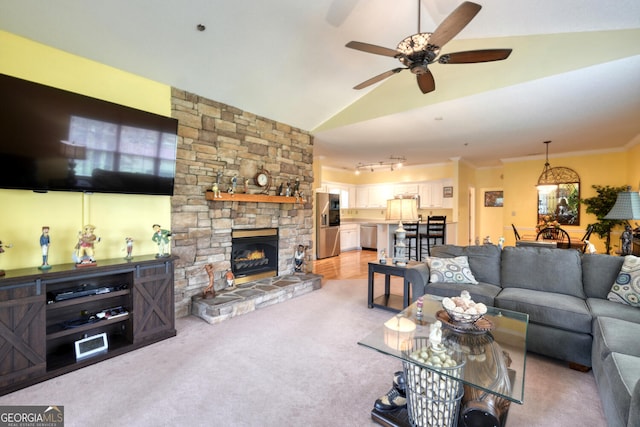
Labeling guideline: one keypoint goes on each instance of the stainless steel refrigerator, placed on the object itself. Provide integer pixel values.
(327, 225)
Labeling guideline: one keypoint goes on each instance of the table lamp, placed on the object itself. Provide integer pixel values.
(626, 207)
(399, 210)
(397, 330)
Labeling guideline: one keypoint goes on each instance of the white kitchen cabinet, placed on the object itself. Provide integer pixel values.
(373, 196)
(431, 194)
(349, 237)
(405, 189)
(344, 190)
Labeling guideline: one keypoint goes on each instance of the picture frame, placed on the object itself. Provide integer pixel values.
(91, 346)
(493, 199)
(447, 192)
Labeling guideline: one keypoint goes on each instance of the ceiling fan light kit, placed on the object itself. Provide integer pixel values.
(419, 50)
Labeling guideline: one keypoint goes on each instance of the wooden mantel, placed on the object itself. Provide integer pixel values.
(256, 198)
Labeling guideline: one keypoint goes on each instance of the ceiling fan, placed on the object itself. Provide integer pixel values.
(420, 50)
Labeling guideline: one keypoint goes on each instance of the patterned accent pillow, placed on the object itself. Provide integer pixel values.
(451, 270)
(626, 289)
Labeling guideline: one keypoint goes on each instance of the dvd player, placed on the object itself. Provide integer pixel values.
(81, 291)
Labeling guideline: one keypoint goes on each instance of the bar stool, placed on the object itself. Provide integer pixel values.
(435, 233)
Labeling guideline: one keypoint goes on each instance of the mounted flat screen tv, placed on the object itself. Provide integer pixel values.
(54, 140)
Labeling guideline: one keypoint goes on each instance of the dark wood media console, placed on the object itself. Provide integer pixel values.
(44, 313)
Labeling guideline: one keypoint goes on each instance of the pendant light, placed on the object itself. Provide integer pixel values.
(546, 181)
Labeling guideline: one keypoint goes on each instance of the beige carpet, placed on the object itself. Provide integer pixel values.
(292, 364)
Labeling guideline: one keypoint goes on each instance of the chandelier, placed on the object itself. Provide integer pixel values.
(394, 162)
(550, 177)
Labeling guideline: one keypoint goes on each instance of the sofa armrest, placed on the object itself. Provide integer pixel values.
(418, 276)
(634, 407)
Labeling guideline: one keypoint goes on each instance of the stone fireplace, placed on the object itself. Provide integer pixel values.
(254, 254)
(220, 142)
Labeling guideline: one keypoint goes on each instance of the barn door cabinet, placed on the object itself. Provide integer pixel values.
(44, 314)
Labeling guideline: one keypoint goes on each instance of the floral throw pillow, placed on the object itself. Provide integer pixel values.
(450, 270)
(626, 289)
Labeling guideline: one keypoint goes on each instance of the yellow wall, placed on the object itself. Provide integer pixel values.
(520, 194)
(516, 178)
(24, 213)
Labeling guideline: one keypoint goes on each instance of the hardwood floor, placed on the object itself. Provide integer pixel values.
(347, 265)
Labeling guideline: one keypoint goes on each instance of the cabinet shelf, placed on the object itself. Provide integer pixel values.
(256, 198)
(58, 331)
(83, 300)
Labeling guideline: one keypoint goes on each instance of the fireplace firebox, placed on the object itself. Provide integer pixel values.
(254, 254)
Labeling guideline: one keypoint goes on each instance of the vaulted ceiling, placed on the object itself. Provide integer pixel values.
(573, 76)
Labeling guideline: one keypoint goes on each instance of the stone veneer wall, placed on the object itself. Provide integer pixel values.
(214, 137)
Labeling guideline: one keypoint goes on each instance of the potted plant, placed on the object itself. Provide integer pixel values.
(600, 206)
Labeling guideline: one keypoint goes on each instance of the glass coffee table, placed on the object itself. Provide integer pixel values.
(493, 351)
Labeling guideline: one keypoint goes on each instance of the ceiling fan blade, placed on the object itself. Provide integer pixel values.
(454, 23)
(372, 48)
(377, 78)
(472, 56)
(426, 82)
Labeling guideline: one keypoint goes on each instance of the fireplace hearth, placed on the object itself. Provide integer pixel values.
(254, 254)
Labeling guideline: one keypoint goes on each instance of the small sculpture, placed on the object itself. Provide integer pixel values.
(280, 187)
(210, 291)
(1, 251)
(591, 248)
(216, 186)
(230, 279)
(435, 336)
(296, 186)
(501, 242)
(85, 248)
(45, 241)
(234, 184)
(288, 190)
(216, 191)
(299, 259)
(246, 186)
(627, 237)
(129, 247)
(161, 237)
(383, 256)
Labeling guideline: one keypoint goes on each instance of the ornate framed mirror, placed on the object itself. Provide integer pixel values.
(561, 204)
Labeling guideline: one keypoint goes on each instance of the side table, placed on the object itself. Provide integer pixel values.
(388, 301)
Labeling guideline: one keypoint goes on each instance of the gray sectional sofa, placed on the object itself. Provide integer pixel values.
(570, 318)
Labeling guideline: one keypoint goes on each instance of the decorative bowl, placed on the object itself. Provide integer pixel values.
(461, 317)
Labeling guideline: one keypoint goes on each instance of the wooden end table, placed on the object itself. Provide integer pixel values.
(389, 301)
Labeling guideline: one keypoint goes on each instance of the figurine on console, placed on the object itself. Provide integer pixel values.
(45, 241)
(129, 247)
(84, 255)
(161, 237)
(1, 251)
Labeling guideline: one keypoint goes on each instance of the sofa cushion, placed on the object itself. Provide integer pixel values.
(481, 292)
(615, 336)
(556, 271)
(599, 271)
(484, 260)
(626, 289)
(547, 308)
(605, 308)
(450, 270)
